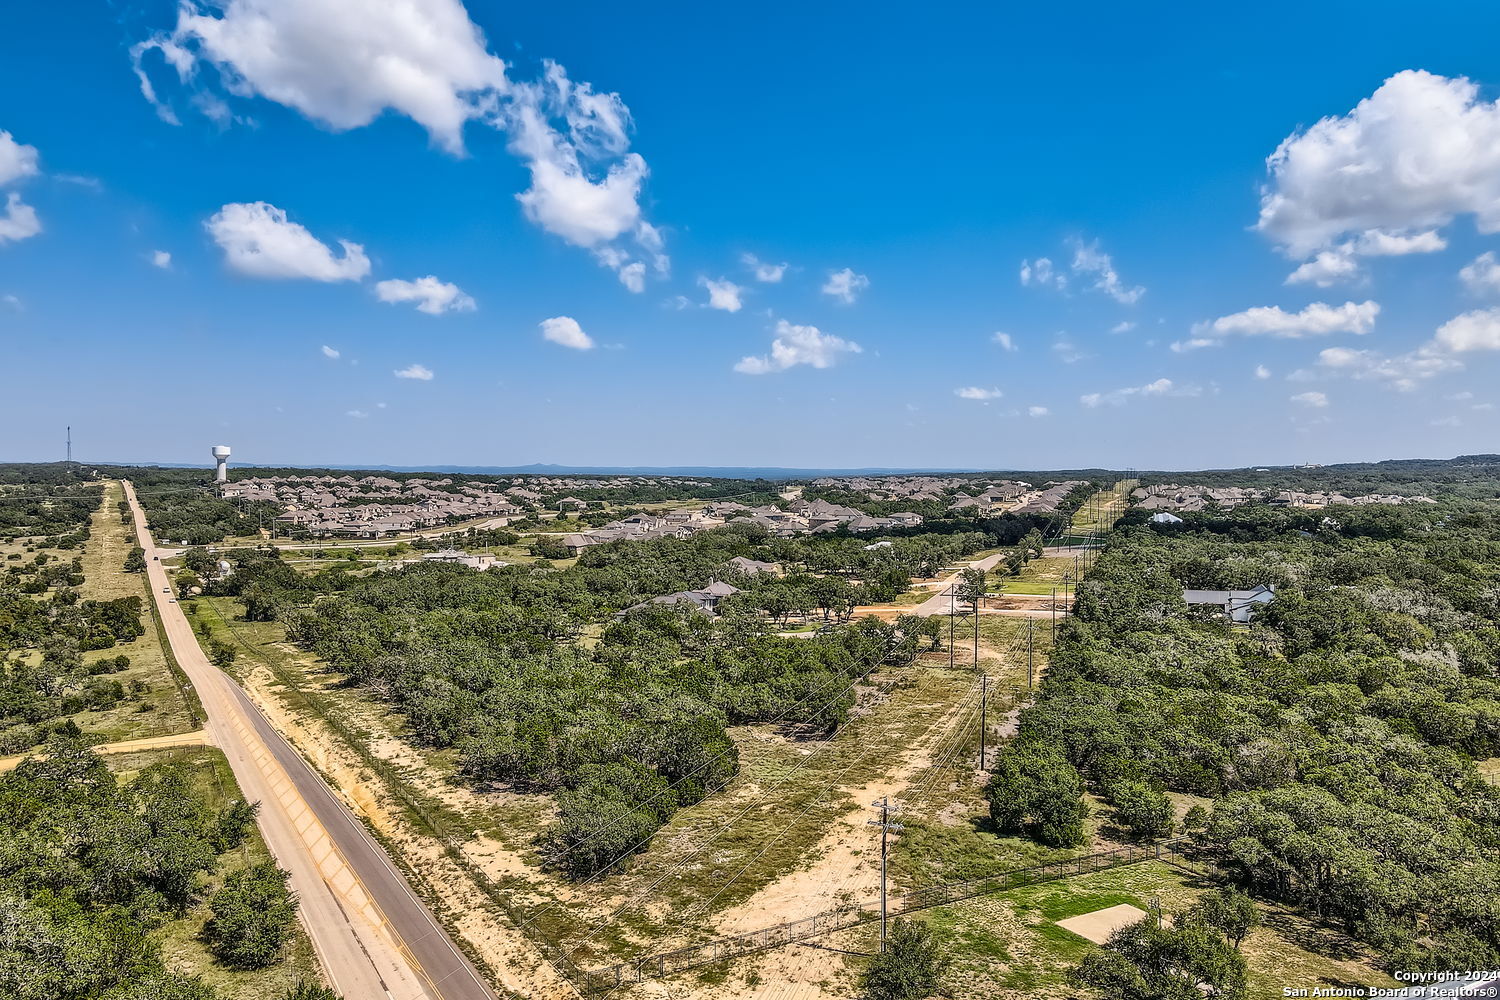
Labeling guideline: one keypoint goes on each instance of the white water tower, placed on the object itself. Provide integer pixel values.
(221, 463)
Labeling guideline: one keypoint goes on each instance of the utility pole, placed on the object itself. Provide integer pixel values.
(1030, 672)
(1054, 614)
(984, 705)
(886, 829)
(70, 444)
(950, 626)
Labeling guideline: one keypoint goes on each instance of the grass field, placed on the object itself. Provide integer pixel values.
(182, 947)
(1010, 946)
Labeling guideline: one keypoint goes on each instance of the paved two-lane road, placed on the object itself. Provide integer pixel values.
(375, 939)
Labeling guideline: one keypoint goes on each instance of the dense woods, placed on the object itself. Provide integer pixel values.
(1336, 734)
(90, 866)
(630, 724)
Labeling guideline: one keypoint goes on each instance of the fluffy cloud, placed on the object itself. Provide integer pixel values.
(1471, 331)
(1418, 152)
(722, 294)
(419, 372)
(339, 62)
(767, 273)
(1262, 372)
(1312, 400)
(798, 345)
(432, 296)
(161, 259)
(1090, 265)
(845, 285)
(1317, 320)
(343, 63)
(1124, 326)
(975, 392)
(259, 240)
(1482, 274)
(330, 353)
(1004, 340)
(1037, 411)
(1118, 397)
(19, 221)
(17, 160)
(565, 330)
(1341, 264)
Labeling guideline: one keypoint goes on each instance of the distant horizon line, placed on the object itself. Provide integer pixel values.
(728, 471)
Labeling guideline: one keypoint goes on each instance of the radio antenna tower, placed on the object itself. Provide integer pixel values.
(70, 444)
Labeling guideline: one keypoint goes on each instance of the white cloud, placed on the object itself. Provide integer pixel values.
(798, 345)
(17, 160)
(1402, 371)
(12, 300)
(1418, 152)
(339, 62)
(1483, 406)
(768, 273)
(1460, 397)
(1089, 264)
(1124, 326)
(432, 296)
(19, 221)
(343, 63)
(1482, 274)
(1004, 340)
(259, 240)
(845, 285)
(1471, 331)
(1329, 267)
(1316, 320)
(161, 259)
(975, 392)
(419, 372)
(1312, 400)
(565, 330)
(357, 414)
(1117, 397)
(1341, 264)
(1261, 371)
(1037, 411)
(330, 353)
(1090, 261)
(722, 294)
(1040, 272)
(633, 276)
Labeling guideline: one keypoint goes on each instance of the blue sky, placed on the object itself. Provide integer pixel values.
(1198, 306)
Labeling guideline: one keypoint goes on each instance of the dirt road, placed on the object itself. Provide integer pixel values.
(374, 938)
(197, 738)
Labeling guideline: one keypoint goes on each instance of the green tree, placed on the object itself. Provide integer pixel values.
(1142, 961)
(1035, 790)
(1143, 810)
(221, 653)
(910, 968)
(1229, 911)
(135, 560)
(253, 916)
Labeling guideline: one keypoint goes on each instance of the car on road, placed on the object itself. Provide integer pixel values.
(166, 590)
(174, 600)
